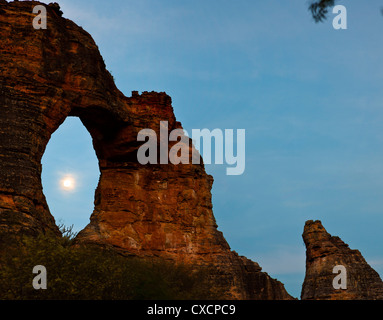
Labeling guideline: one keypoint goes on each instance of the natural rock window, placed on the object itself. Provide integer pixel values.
(70, 174)
(143, 210)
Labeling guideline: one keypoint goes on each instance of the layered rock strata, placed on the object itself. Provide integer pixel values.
(323, 253)
(47, 75)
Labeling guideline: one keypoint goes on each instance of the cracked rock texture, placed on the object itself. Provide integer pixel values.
(145, 210)
(323, 253)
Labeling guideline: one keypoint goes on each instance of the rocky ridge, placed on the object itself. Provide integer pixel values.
(323, 253)
(163, 211)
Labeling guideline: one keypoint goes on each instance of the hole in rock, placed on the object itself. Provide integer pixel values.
(70, 174)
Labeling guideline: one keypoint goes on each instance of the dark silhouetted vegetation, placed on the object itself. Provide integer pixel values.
(90, 273)
(319, 9)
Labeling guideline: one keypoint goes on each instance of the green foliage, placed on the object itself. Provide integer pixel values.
(90, 273)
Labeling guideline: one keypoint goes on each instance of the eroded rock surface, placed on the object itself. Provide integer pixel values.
(323, 253)
(146, 210)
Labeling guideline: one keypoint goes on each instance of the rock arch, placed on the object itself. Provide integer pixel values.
(157, 210)
(70, 174)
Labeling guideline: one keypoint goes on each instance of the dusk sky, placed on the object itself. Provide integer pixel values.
(309, 97)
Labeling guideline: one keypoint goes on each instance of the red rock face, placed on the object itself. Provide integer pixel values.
(146, 210)
(323, 253)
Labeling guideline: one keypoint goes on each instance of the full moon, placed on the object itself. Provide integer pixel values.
(68, 183)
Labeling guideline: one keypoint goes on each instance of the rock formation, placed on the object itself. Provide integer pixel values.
(323, 253)
(164, 211)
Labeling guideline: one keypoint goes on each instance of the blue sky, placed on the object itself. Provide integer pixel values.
(310, 99)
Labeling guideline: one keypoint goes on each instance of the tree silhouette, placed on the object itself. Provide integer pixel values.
(319, 9)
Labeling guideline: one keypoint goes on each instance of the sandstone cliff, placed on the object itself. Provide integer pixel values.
(323, 253)
(164, 211)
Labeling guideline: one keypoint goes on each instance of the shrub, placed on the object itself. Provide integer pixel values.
(93, 273)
